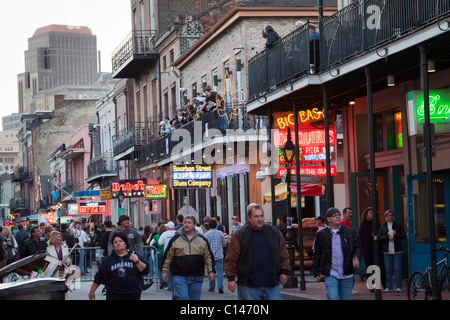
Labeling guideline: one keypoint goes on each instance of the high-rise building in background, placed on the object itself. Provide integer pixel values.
(60, 60)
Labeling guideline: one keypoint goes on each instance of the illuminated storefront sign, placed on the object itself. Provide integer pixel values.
(157, 191)
(93, 207)
(131, 188)
(191, 176)
(439, 111)
(319, 171)
(312, 150)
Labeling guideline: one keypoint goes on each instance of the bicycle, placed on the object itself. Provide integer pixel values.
(420, 284)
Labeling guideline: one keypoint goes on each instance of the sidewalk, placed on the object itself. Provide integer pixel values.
(315, 290)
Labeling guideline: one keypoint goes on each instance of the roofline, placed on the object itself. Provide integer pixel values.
(245, 12)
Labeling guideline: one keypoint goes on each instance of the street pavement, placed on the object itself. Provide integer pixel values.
(315, 290)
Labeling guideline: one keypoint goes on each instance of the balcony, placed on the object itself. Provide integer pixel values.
(133, 54)
(22, 175)
(127, 142)
(102, 167)
(161, 148)
(362, 27)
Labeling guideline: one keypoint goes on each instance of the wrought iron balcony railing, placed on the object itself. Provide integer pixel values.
(366, 24)
(136, 135)
(104, 164)
(162, 147)
(136, 43)
(362, 26)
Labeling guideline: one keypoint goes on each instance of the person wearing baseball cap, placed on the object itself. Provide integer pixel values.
(236, 225)
(337, 253)
(134, 238)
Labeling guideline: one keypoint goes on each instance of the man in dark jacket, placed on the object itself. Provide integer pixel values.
(34, 244)
(336, 255)
(257, 255)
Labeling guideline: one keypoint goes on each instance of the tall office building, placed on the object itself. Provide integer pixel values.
(59, 59)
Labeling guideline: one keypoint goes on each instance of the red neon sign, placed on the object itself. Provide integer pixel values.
(131, 188)
(93, 207)
(319, 171)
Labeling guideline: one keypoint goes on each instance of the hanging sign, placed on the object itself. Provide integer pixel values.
(439, 111)
(156, 191)
(133, 188)
(193, 176)
(93, 207)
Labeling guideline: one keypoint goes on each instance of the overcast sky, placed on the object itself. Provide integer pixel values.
(109, 20)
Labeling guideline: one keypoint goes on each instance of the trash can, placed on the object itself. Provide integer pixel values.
(31, 289)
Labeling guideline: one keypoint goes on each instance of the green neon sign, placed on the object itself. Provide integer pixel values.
(439, 110)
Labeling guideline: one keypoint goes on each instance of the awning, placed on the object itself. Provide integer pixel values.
(308, 190)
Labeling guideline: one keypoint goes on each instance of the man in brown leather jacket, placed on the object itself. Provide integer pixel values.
(257, 255)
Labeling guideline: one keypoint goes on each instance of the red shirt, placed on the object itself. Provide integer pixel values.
(346, 223)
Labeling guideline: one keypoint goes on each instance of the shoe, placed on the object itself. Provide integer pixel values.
(211, 290)
(104, 291)
(220, 290)
(388, 290)
(354, 292)
(162, 285)
(147, 285)
(399, 290)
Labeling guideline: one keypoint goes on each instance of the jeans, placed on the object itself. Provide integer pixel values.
(81, 261)
(258, 293)
(339, 289)
(219, 269)
(187, 288)
(396, 267)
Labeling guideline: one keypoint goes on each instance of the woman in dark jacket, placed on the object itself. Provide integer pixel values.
(271, 37)
(121, 272)
(390, 236)
(365, 236)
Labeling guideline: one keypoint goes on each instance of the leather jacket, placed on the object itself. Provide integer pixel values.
(323, 250)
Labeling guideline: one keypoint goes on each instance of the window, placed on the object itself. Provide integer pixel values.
(204, 82)
(172, 57)
(194, 90)
(164, 63)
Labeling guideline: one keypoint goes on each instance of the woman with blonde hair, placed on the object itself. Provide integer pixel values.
(58, 249)
(11, 246)
(390, 236)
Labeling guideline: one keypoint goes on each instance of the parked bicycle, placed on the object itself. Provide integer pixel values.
(420, 284)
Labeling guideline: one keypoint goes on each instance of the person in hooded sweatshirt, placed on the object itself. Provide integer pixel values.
(121, 272)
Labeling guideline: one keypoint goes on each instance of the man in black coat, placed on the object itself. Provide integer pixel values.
(67, 236)
(34, 244)
(337, 253)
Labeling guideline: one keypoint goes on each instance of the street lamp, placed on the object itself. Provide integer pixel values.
(120, 197)
(288, 150)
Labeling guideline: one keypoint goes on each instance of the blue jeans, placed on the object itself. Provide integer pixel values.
(396, 267)
(81, 261)
(339, 289)
(219, 269)
(187, 288)
(258, 293)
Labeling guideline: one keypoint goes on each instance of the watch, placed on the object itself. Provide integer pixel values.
(137, 262)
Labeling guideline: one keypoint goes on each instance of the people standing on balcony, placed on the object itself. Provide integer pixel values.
(313, 35)
(271, 37)
(165, 126)
(212, 100)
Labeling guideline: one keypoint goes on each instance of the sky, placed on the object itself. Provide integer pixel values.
(109, 20)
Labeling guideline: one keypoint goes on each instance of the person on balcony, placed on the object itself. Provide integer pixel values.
(271, 37)
(211, 101)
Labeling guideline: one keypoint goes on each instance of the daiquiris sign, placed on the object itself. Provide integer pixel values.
(439, 111)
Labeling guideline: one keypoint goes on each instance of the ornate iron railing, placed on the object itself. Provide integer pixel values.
(136, 43)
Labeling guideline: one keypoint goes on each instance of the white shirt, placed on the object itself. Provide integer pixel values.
(165, 238)
(81, 236)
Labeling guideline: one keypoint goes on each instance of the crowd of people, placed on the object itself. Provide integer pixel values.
(204, 103)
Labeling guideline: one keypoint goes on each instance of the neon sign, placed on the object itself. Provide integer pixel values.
(311, 141)
(93, 207)
(131, 188)
(439, 111)
(191, 176)
(319, 171)
(158, 191)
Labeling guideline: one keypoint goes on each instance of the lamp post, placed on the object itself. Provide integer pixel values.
(288, 153)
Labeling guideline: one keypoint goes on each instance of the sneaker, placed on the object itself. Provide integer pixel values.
(162, 285)
(220, 290)
(354, 292)
(388, 290)
(399, 290)
(211, 290)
